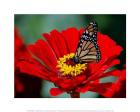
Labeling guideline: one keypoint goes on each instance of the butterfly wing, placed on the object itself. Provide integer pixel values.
(88, 50)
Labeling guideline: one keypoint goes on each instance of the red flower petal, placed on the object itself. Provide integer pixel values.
(118, 88)
(100, 72)
(83, 89)
(110, 73)
(48, 52)
(33, 68)
(55, 91)
(52, 43)
(80, 79)
(102, 39)
(107, 46)
(44, 54)
(108, 89)
(101, 88)
(71, 36)
(60, 42)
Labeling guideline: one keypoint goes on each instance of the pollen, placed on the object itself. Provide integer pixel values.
(69, 68)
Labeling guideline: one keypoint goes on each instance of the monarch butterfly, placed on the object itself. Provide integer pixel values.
(88, 49)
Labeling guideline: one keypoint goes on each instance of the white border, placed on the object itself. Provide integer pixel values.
(69, 111)
(9, 8)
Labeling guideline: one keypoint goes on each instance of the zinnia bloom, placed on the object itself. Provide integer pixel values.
(51, 60)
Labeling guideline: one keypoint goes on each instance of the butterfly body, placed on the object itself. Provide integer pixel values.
(88, 49)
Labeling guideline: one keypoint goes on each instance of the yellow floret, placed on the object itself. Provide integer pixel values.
(66, 69)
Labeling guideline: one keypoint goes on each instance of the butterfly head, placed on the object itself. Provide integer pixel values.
(76, 60)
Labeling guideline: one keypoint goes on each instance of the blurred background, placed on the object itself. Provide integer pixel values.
(31, 28)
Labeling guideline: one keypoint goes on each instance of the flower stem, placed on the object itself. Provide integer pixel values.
(75, 95)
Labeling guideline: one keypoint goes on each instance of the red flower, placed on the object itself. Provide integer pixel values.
(20, 50)
(118, 89)
(51, 61)
(19, 46)
(115, 89)
(23, 82)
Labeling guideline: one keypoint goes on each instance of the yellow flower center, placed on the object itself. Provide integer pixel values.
(70, 68)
